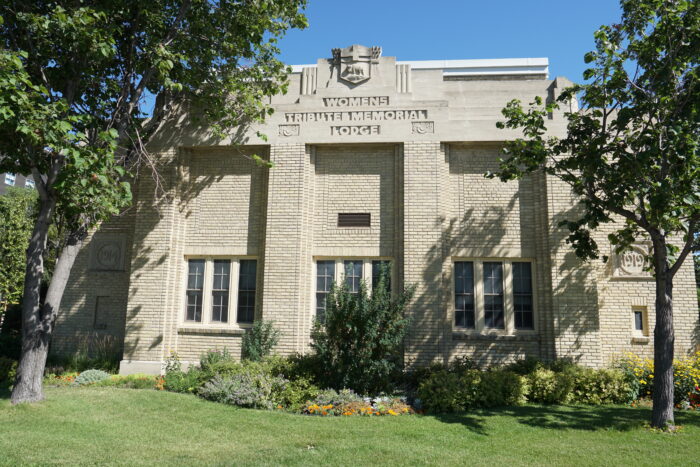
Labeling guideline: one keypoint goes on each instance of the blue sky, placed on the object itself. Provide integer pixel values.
(561, 30)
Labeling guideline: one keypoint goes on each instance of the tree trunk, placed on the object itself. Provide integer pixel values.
(662, 411)
(38, 347)
(28, 387)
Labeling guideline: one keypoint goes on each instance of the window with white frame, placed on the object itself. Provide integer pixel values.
(214, 284)
(493, 295)
(10, 179)
(29, 183)
(350, 271)
(640, 321)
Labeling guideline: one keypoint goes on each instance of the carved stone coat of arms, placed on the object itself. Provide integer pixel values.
(354, 63)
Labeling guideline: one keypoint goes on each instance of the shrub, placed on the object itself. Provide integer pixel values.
(549, 387)
(91, 377)
(8, 367)
(462, 364)
(445, 392)
(359, 343)
(244, 390)
(448, 391)
(525, 366)
(259, 340)
(293, 395)
(639, 373)
(502, 388)
(595, 387)
(336, 398)
(184, 381)
(215, 357)
(562, 365)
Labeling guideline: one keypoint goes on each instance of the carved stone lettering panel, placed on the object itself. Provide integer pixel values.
(632, 263)
(107, 252)
(289, 130)
(423, 128)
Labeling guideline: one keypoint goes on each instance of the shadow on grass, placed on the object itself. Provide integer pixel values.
(565, 417)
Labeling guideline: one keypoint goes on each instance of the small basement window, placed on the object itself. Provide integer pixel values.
(362, 219)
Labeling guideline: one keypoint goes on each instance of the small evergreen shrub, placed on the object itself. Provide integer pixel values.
(91, 377)
(259, 340)
(359, 343)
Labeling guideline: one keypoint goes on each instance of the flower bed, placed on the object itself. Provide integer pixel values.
(383, 406)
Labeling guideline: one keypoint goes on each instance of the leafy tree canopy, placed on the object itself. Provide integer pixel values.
(75, 77)
(630, 153)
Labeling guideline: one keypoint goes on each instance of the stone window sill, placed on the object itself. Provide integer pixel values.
(211, 331)
(640, 340)
(475, 336)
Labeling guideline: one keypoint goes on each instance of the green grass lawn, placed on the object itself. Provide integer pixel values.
(126, 426)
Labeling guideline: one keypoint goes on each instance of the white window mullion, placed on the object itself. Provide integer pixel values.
(508, 297)
(339, 272)
(367, 274)
(233, 294)
(206, 290)
(479, 295)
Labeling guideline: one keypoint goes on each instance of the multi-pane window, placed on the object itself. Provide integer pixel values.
(325, 276)
(493, 295)
(29, 183)
(353, 275)
(211, 294)
(220, 290)
(10, 179)
(522, 295)
(464, 294)
(381, 270)
(351, 272)
(195, 289)
(246, 290)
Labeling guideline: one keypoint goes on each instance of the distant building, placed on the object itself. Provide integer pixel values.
(16, 180)
(375, 161)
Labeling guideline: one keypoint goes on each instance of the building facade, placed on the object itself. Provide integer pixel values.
(376, 162)
(14, 180)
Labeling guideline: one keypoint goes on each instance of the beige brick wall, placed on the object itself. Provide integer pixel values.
(430, 205)
(354, 179)
(81, 316)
